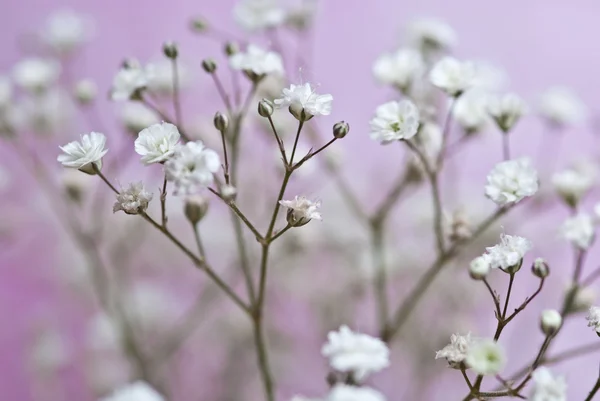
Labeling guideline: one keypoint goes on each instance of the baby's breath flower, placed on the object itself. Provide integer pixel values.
(550, 321)
(506, 110)
(133, 200)
(160, 76)
(486, 357)
(192, 167)
(561, 106)
(470, 111)
(157, 142)
(547, 387)
(138, 391)
(510, 181)
(85, 91)
(86, 154)
(36, 74)
(129, 81)
(136, 117)
(579, 230)
(395, 121)
(65, 30)
(455, 352)
(344, 392)
(255, 15)
(304, 102)
(572, 184)
(540, 268)
(431, 33)
(400, 69)
(356, 353)
(593, 318)
(301, 210)
(480, 267)
(257, 63)
(508, 254)
(452, 76)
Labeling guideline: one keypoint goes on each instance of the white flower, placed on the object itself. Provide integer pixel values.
(257, 61)
(547, 387)
(48, 112)
(301, 210)
(562, 106)
(103, 333)
(452, 76)
(254, 15)
(509, 253)
(486, 357)
(395, 121)
(488, 76)
(138, 391)
(35, 74)
(470, 111)
(6, 91)
(304, 102)
(157, 142)
(151, 306)
(572, 185)
(506, 110)
(65, 30)
(344, 392)
(353, 352)
(480, 267)
(191, 167)
(593, 318)
(584, 297)
(133, 200)
(456, 352)
(85, 91)
(135, 116)
(431, 33)
(399, 69)
(160, 76)
(550, 320)
(49, 351)
(510, 181)
(579, 230)
(128, 81)
(85, 154)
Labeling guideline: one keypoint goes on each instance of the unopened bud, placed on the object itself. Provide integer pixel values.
(300, 113)
(221, 122)
(341, 129)
(296, 221)
(199, 25)
(550, 321)
(228, 192)
(195, 208)
(479, 268)
(231, 48)
(540, 268)
(170, 50)
(209, 65)
(91, 168)
(265, 108)
(85, 91)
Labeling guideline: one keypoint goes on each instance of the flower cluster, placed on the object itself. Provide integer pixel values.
(511, 181)
(192, 167)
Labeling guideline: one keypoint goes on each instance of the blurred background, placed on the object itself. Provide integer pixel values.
(55, 343)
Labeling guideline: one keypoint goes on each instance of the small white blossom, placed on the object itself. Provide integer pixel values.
(344, 392)
(480, 267)
(254, 15)
(488, 76)
(430, 32)
(579, 230)
(192, 167)
(133, 200)
(547, 387)
(160, 76)
(65, 30)
(395, 121)
(85, 91)
(550, 321)
(452, 76)
(136, 117)
(572, 184)
(358, 353)
(561, 106)
(470, 111)
(506, 110)
(303, 15)
(486, 357)
(400, 69)
(304, 102)
(456, 352)
(36, 74)
(509, 253)
(510, 181)
(585, 297)
(103, 333)
(151, 306)
(301, 210)
(138, 391)
(257, 61)
(49, 351)
(48, 112)
(430, 139)
(128, 81)
(593, 318)
(157, 142)
(86, 154)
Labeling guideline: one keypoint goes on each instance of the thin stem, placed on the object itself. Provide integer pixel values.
(226, 166)
(232, 205)
(505, 146)
(301, 123)
(165, 117)
(279, 141)
(495, 298)
(311, 154)
(594, 390)
(511, 281)
(199, 241)
(163, 202)
(176, 98)
(263, 359)
(445, 135)
(280, 233)
(222, 93)
(525, 303)
(380, 278)
(103, 178)
(400, 185)
(591, 278)
(466, 377)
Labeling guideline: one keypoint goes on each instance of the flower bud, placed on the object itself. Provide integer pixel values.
(221, 122)
(231, 48)
(295, 221)
(91, 168)
(540, 268)
(195, 208)
(550, 321)
(300, 113)
(170, 50)
(265, 108)
(228, 192)
(209, 65)
(340, 129)
(479, 268)
(85, 91)
(199, 25)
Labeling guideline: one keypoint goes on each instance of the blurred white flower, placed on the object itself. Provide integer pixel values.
(547, 387)
(6, 91)
(455, 352)
(453, 76)
(84, 154)
(579, 230)
(46, 113)
(561, 106)
(103, 333)
(486, 357)
(593, 318)
(510, 181)
(136, 117)
(133, 200)
(584, 297)
(400, 69)
(428, 32)
(489, 77)
(301, 210)
(470, 111)
(151, 306)
(75, 184)
(160, 76)
(572, 185)
(344, 392)
(157, 142)
(254, 15)
(480, 267)
(509, 253)
(550, 321)
(302, 15)
(36, 74)
(357, 353)
(138, 391)
(49, 351)
(129, 80)
(430, 140)
(304, 102)
(192, 167)
(257, 61)
(395, 121)
(506, 110)
(85, 91)
(65, 30)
